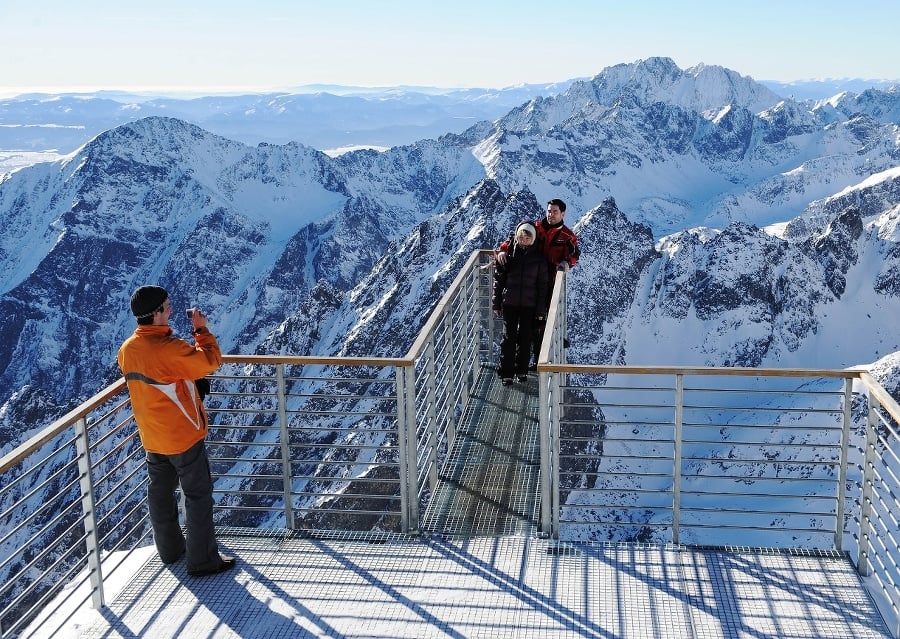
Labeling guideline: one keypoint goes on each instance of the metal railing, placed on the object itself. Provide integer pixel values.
(337, 444)
(325, 444)
(709, 456)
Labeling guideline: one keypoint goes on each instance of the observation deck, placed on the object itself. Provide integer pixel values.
(418, 497)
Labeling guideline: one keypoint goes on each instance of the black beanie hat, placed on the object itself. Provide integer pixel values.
(147, 299)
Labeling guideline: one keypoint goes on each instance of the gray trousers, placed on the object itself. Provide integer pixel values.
(190, 469)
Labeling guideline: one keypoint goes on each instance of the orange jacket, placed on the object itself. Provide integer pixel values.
(160, 371)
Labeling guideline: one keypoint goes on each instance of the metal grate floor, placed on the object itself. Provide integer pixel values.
(489, 485)
(502, 587)
(483, 573)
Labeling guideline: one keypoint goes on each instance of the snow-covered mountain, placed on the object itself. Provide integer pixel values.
(332, 118)
(720, 224)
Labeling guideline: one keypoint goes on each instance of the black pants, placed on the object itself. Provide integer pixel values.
(538, 337)
(515, 349)
(191, 470)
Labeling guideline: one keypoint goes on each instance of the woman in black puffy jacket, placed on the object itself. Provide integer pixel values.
(520, 293)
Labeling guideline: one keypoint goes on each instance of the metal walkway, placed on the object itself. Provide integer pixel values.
(501, 587)
(489, 485)
(480, 571)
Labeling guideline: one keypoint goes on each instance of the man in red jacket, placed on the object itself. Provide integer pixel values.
(559, 245)
(160, 371)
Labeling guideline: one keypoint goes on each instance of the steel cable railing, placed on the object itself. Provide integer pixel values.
(793, 458)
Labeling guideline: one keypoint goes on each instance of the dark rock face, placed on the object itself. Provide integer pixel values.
(837, 249)
(603, 286)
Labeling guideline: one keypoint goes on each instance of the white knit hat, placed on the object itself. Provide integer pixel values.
(527, 228)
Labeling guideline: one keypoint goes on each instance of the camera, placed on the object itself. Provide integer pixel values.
(189, 313)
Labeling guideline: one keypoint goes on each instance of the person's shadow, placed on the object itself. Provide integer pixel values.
(226, 599)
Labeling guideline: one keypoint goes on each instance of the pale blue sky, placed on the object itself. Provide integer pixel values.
(217, 45)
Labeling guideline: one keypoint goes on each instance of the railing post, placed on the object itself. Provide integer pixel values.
(842, 472)
(489, 355)
(676, 469)
(400, 376)
(544, 422)
(865, 498)
(406, 449)
(550, 403)
(564, 327)
(430, 397)
(88, 505)
(412, 472)
(467, 321)
(555, 417)
(286, 474)
(474, 316)
(449, 365)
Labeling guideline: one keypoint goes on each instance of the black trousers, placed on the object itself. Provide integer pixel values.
(191, 470)
(538, 337)
(539, 326)
(518, 334)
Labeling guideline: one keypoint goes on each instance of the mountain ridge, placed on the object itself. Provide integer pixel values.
(274, 238)
(331, 118)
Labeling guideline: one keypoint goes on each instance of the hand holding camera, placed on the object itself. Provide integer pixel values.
(198, 319)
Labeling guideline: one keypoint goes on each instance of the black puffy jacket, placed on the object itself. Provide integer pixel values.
(523, 281)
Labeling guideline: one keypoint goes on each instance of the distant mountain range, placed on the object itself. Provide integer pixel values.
(325, 117)
(330, 118)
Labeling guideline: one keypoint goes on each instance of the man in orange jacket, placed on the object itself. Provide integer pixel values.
(160, 371)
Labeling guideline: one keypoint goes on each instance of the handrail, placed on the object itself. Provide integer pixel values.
(15, 456)
(735, 371)
(861, 471)
(317, 360)
(442, 306)
(264, 446)
(878, 391)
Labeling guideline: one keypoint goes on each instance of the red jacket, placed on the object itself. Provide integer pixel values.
(558, 243)
(160, 371)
